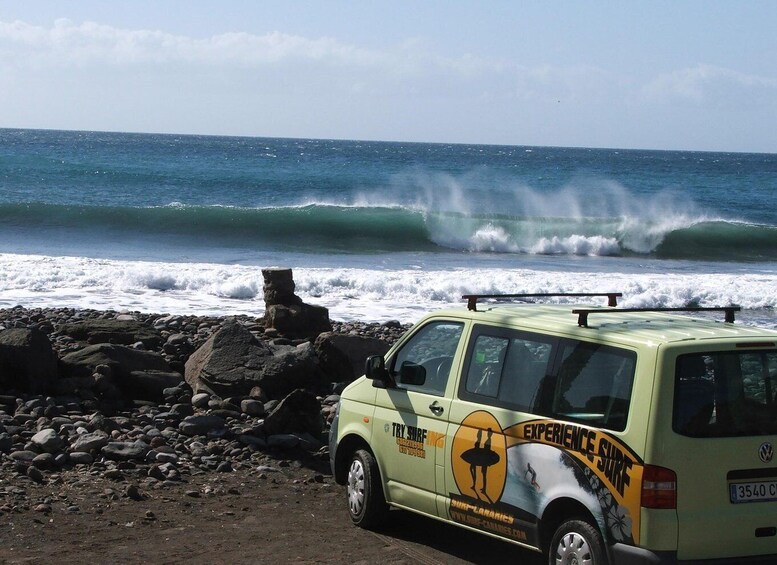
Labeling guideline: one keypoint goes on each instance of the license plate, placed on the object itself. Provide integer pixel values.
(753, 492)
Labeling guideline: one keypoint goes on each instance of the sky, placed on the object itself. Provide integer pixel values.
(687, 75)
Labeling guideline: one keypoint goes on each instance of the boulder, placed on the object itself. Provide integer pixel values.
(201, 425)
(27, 361)
(48, 440)
(121, 332)
(299, 412)
(86, 443)
(342, 357)
(149, 385)
(297, 321)
(233, 361)
(121, 360)
(279, 287)
(125, 450)
(285, 313)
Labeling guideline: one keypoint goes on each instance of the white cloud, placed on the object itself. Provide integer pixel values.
(89, 42)
(69, 45)
(704, 83)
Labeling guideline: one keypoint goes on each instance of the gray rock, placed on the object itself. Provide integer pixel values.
(122, 332)
(6, 442)
(149, 385)
(200, 400)
(298, 320)
(23, 455)
(252, 407)
(34, 474)
(283, 441)
(125, 450)
(166, 458)
(81, 458)
(44, 461)
(279, 287)
(233, 361)
(200, 425)
(27, 361)
(252, 441)
(300, 412)
(342, 357)
(285, 312)
(133, 492)
(48, 440)
(122, 361)
(89, 442)
(182, 409)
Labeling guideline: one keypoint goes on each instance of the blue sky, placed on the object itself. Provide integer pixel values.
(699, 75)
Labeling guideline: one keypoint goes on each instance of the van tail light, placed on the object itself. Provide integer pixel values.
(659, 488)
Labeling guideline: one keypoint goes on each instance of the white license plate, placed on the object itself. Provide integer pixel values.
(753, 492)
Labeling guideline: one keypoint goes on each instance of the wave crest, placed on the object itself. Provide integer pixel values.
(317, 227)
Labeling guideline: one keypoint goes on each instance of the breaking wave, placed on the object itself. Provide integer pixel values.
(378, 228)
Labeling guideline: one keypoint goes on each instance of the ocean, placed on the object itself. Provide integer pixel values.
(376, 231)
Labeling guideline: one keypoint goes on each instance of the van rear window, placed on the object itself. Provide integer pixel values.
(726, 394)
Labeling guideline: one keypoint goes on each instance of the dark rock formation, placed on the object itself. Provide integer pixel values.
(27, 361)
(121, 332)
(233, 361)
(299, 412)
(149, 385)
(279, 287)
(342, 357)
(120, 360)
(285, 311)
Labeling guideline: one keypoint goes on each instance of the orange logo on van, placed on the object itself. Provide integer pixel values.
(479, 458)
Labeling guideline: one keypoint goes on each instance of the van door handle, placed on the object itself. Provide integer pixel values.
(436, 409)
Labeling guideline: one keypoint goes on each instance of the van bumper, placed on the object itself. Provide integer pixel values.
(623, 554)
(629, 555)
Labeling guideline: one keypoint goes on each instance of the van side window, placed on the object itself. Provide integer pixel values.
(505, 367)
(424, 363)
(593, 385)
(485, 368)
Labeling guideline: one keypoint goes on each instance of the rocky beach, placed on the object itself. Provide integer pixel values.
(127, 420)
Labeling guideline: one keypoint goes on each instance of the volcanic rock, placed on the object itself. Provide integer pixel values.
(342, 357)
(233, 361)
(122, 332)
(121, 360)
(27, 361)
(300, 411)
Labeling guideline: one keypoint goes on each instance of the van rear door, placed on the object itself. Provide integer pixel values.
(724, 429)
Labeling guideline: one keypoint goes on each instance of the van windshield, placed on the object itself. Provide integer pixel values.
(726, 394)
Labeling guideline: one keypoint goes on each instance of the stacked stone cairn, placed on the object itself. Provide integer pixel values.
(166, 397)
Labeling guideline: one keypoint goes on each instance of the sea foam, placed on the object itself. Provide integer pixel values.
(367, 294)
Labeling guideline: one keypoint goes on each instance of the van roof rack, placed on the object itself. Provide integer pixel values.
(472, 299)
(582, 313)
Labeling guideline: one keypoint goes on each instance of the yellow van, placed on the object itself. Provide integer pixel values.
(593, 434)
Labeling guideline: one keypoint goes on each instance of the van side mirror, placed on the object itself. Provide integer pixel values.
(375, 369)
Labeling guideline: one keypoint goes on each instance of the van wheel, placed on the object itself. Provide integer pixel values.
(366, 503)
(577, 542)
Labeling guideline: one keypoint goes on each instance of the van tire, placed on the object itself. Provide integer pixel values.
(577, 541)
(366, 503)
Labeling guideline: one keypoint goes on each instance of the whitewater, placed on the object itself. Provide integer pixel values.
(376, 231)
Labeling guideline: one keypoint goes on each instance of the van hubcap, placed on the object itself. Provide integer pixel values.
(356, 487)
(573, 549)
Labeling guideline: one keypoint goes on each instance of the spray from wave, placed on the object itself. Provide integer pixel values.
(587, 217)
